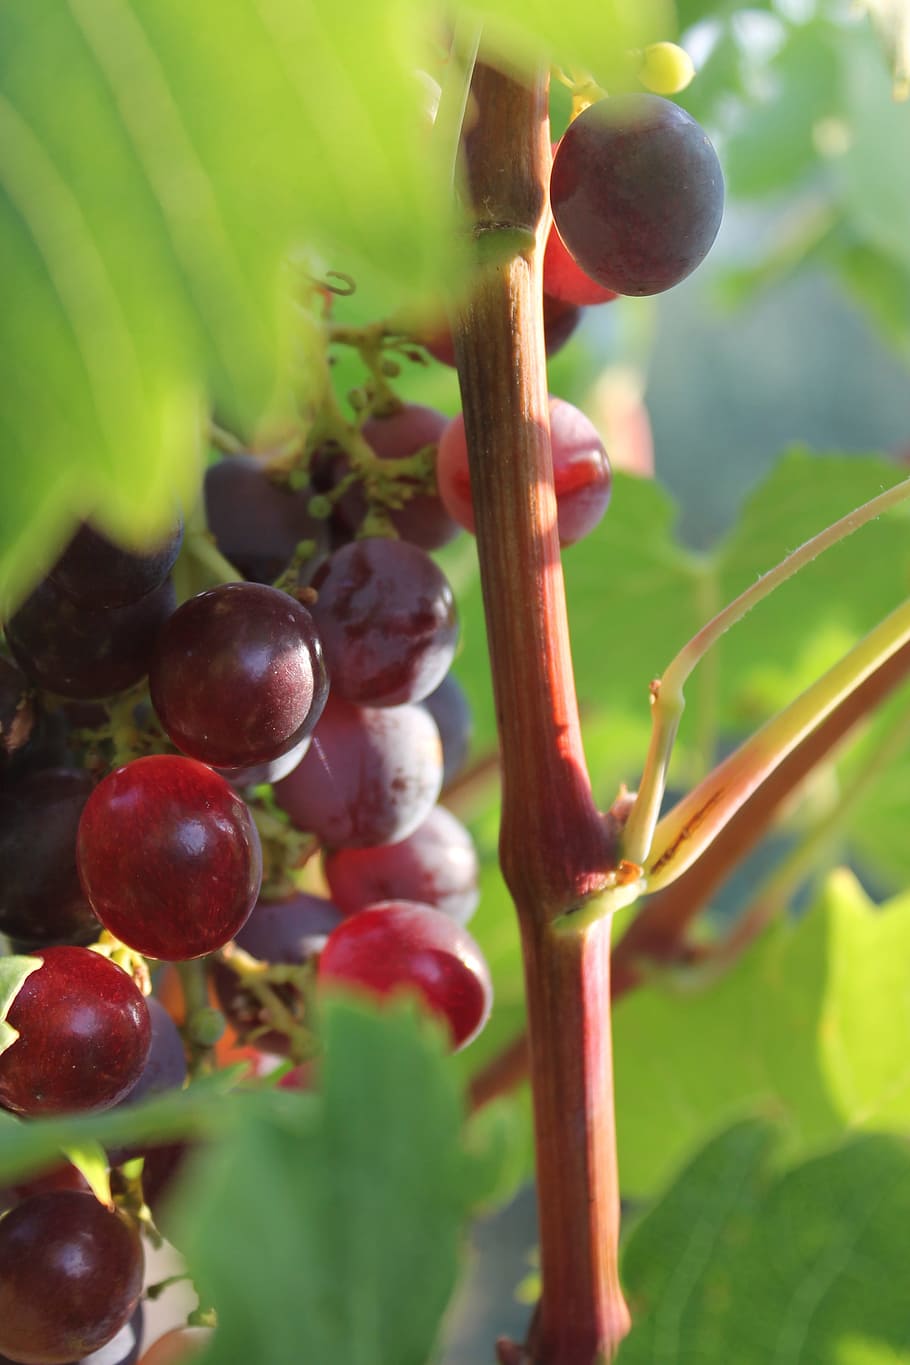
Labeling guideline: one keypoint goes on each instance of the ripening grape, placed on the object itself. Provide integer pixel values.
(238, 675)
(70, 1277)
(386, 617)
(564, 279)
(401, 945)
(581, 472)
(436, 865)
(258, 523)
(41, 900)
(84, 1035)
(178, 1347)
(422, 520)
(81, 652)
(96, 573)
(637, 193)
(451, 711)
(370, 776)
(169, 857)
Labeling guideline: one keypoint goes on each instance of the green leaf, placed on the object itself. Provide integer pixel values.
(810, 1026)
(344, 1245)
(159, 162)
(738, 1263)
(597, 35)
(199, 1111)
(90, 1159)
(13, 971)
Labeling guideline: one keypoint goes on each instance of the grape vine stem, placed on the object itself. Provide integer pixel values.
(557, 852)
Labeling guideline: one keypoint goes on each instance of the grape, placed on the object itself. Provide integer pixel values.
(258, 523)
(286, 932)
(96, 573)
(637, 193)
(70, 1277)
(386, 616)
(581, 472)
(422, 520)
(401, 944)
(666, 68)
(165, 1067)
(122, 1349)
(41, 900)
(17, 715)
(564, 279)
(449, 707)
(238, 675)
(169, 857)
(370, 776)
(84, 1035)
(436, 865)
(257, 773)
(81, 653)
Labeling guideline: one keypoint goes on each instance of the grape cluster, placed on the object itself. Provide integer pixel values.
(252, 778)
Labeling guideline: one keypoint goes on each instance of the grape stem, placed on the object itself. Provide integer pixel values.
(556, 851)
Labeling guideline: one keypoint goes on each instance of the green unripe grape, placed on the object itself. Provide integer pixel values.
(666, 68)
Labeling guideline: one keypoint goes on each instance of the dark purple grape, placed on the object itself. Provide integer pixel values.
(96, 573)
(637, 193)
(258, 523)
(288, 932)
(387, 619)
(70, 1277)
(84, 1035)
(165, 1067)
(451, 711)
(370, 777)
(238, 675)
(422, 520)
(41, 899)
(17, 713)
(436, 865)
(169, 857)
(81, 653)
(401, 946)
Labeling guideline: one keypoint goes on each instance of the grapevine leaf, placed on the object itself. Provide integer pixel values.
(810, 1025)
(355, 1211)
(737, 1262)
(159, 163)
(13, 971)
(598, 35)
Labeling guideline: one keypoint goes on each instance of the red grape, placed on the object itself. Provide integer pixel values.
(370, 776)
(169, 857)
(436, 865)
(41, 900)
(258, 523)
(637, 193)
(581, 472)
(238, 675)
(81, 652)
(70, 1277)
(96, 573)
(564, 279)
(422, 520)
(400, 945)
(386, 616)
(84, 1035)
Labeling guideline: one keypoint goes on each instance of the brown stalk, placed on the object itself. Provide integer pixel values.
(556, 851)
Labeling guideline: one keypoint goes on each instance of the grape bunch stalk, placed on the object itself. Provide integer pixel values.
(247, 783)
